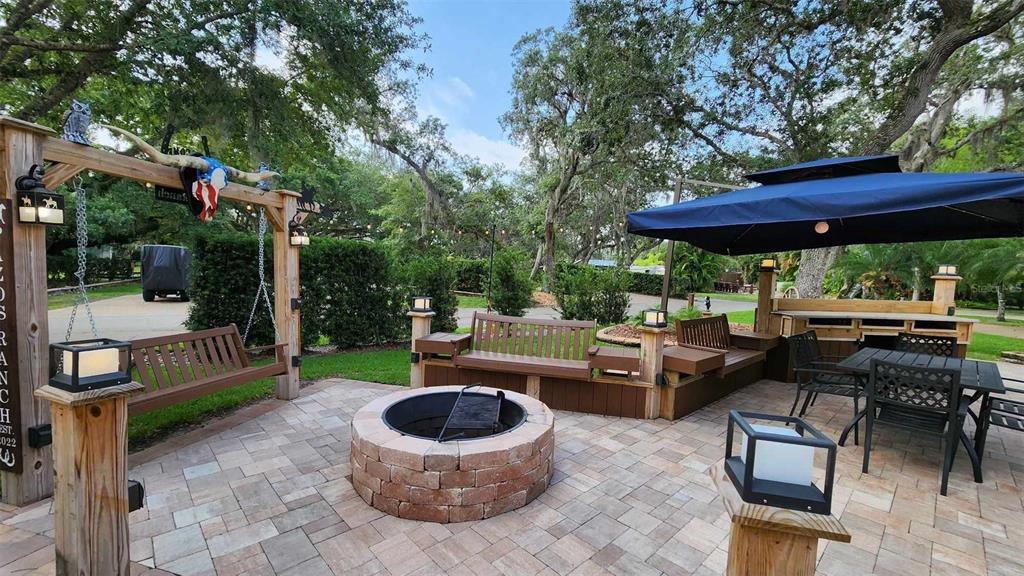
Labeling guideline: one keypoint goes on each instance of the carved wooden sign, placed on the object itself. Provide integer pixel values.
(10, 416)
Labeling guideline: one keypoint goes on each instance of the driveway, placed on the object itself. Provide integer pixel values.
(122, 318)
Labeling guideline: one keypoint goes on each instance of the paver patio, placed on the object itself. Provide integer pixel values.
(265, 491)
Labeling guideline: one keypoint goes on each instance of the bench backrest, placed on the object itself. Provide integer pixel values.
(166, 361)
(562, 339)
(710, 332)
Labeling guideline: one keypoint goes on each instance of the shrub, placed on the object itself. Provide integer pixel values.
(471, 274)
(435, 277)
(586, 293)
(512, 291)
(350, 291)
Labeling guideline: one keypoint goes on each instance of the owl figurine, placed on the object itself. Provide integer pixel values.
(76, 122)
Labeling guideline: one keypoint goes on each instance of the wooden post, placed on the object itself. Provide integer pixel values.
(652, 344)
(765, 294)
(25, 340)
(90, 505)
(286, 288)
(420, 328)
(944, 296)
(768, 541)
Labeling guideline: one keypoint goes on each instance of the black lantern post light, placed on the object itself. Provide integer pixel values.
(769, 265)
(297, 235)
(83, 365)
(421, 304)
(36, 203)
(655, 318)
(776, 463)
(947, 270)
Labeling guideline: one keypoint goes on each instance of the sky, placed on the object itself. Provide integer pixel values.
(470, 53)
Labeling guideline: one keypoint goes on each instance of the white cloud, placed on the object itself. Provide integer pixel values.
(977, 105)
(489, 151)
(453, 92)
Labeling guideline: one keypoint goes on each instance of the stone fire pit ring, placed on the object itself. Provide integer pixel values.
(457, 480)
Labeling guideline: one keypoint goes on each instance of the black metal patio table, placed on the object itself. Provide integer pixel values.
(981, 377)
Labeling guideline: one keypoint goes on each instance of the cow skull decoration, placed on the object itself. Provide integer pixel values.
(212, 174)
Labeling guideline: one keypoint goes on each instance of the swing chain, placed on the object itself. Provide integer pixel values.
(262, 290)
(82, 233)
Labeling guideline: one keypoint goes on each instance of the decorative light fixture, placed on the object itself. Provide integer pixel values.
(769, 265)
(654, 318)
(947, 270)
(37, 204)
(297, 235)
(421, 304)
(89, 364)
(776, 463)
(821, 227)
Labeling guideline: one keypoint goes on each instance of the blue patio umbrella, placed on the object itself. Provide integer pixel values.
(839, 201)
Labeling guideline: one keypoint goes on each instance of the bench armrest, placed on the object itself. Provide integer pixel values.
(593, 350)
(461, 343)
(279, 349)
(705, 348)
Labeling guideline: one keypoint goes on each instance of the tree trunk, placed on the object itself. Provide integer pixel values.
(536, 261)
(1000, 304)
(813, 265)
(549, 254)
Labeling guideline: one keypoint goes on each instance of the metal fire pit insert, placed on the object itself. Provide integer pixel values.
(477, 412)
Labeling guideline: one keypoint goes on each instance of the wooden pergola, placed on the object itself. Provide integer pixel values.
(24, 331)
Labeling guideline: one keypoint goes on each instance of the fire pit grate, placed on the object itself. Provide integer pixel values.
(476, 412)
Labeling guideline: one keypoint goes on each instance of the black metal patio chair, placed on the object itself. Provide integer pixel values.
(924, 400)
(924, 344)
(816, 373)
(1001, 412)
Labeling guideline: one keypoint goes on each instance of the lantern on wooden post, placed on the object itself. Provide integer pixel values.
(776, 463)
(36, 203)
(89, 364)
(297, 235)
(769, 265)
(654, 318)
(421, 304)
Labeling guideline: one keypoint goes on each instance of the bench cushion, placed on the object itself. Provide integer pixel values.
(514, 363)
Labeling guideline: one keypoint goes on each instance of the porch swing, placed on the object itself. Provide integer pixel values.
(182, 367)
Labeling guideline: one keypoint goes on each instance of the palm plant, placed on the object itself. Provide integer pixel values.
(997, 262)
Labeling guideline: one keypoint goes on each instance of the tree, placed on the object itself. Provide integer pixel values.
(999, 263)
(585, 99)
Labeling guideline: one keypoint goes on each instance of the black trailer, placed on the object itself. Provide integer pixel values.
(165, 271)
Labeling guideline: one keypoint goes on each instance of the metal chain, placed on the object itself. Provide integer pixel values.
(262, 290)
(82, 233)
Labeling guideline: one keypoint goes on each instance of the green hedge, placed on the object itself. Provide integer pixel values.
(434, 277)
(512, 292)
(471, 274)
(351, 293)
(587, 293)
(61, 268)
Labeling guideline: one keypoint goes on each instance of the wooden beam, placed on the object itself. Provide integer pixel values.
(26, 342)
(57, 150)
(58, 173)
(286, 287)
(275, 219)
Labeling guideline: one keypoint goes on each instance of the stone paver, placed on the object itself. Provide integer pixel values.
(267, 491)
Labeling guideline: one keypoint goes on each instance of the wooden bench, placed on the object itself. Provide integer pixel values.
(531, 346)
(712, 333)
(185, 366)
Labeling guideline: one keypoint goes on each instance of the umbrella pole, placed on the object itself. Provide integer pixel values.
(666, 282)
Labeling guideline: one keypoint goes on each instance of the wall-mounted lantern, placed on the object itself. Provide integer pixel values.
(37, 204)
(769, 265)
(297, 235)
(947, 270)
(654, 318)
(421, 304)
(776, 463)
(89, 364)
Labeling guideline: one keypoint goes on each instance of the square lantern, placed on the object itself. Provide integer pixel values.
(769, 265)
(36, 204)
(947, 270)
(89, 364)
(654, 318)
(421, 304)
(776, 463)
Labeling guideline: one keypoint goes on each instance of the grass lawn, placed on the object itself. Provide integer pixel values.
(990, 346)
(734, 296)
(65, 299)
(741, 317)
(386, 366)
(472, 301)
(991, 320)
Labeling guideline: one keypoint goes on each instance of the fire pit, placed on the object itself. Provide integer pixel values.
(452, 454)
